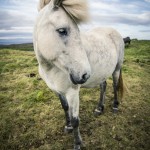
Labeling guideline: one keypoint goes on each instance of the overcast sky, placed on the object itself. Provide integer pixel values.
(129, 17)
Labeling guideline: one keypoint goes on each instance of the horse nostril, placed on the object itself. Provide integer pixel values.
(77, 80)
(85, 76)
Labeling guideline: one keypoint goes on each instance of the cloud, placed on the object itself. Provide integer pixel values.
(13, 18)
(14, 13)
(147, 1)
(123, 18)
(17, 19)
(10, 34)
(129, 17)
(145, 31)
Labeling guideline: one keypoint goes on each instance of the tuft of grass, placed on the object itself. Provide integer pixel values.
(32, 117)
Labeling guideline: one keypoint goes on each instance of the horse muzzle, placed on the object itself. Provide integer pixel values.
(81, 80)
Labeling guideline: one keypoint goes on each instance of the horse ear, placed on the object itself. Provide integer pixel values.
(57, 3)
(42, 3)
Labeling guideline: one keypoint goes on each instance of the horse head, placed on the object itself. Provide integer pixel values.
(58, 37)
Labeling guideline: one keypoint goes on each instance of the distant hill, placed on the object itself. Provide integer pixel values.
(23, 47)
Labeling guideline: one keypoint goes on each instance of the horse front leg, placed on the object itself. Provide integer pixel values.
(100, 108)
(65, 106)
(73, 101)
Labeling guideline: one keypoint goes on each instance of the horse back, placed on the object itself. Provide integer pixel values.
(103, 41)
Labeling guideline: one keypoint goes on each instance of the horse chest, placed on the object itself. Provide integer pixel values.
(53, 79)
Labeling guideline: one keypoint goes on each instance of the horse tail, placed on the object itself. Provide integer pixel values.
(120, 86)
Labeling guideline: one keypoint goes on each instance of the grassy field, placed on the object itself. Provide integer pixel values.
(31, 117)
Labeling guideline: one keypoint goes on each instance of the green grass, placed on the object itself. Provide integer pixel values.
(31, 116)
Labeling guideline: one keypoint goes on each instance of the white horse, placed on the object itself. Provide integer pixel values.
(69, 59)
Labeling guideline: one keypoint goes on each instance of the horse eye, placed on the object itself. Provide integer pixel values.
(62, 31)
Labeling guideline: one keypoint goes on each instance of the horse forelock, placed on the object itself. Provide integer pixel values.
(42, 4)
(78, 9)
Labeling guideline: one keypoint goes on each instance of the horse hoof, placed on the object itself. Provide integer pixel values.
(77, 147)
(115, 110)
(68, 129)
(97, 112)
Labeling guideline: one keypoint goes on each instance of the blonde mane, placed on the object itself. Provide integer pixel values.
(78, 9)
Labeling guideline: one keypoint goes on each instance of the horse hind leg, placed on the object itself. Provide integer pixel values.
(118, 87)
(100, 108)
